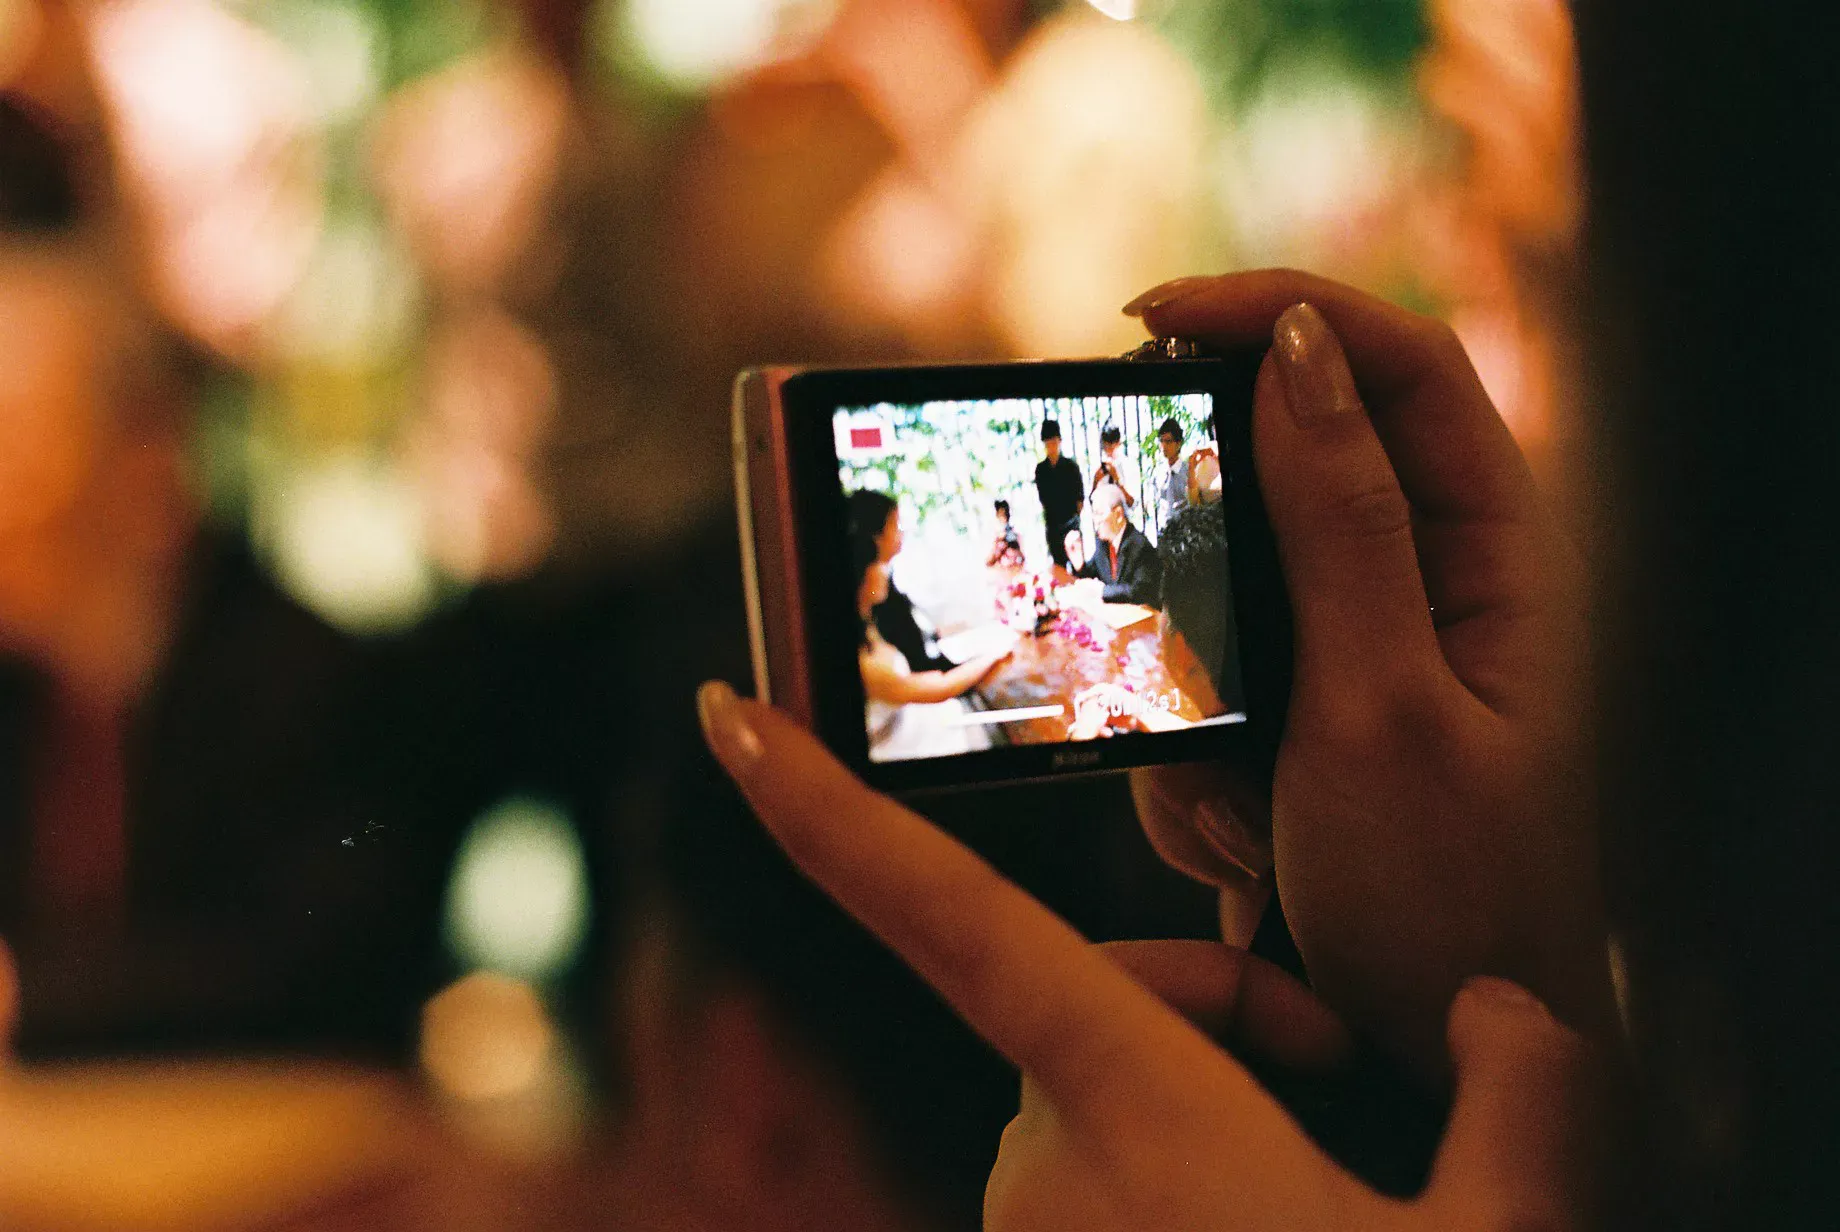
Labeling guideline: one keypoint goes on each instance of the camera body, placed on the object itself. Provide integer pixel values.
(1107, 599)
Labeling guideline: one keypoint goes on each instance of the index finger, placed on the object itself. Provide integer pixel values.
(1453, 453)
(1095, 1041)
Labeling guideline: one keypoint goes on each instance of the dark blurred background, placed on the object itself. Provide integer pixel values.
(365, 507)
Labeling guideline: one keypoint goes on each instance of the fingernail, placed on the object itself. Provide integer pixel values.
(1165, 293)
(1317, 382)
(725, 726)
(1505, 993)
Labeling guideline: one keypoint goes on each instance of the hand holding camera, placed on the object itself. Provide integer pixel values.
(1428, 814)
(1127, 1081)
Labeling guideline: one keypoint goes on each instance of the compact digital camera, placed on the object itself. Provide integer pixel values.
(976, 573)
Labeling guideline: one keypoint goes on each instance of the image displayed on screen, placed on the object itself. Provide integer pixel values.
(1037, 570)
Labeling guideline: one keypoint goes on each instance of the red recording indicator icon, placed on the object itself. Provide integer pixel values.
(866, 438)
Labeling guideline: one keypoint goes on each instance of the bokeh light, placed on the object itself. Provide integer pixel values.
(485, 1036)
(354, 303)
(693, 44)
(1120, 10)
(490, 395)
(463, 159)
(335, 191)
(1091, 145)
(1310, 168)
(518, 901)
(339, 49)
(504, 1075)
(344, 533)
(213, 117)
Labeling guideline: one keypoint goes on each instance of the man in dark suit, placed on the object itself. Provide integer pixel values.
(1125, 561)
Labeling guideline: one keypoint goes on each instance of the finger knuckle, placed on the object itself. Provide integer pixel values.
(1372, 509)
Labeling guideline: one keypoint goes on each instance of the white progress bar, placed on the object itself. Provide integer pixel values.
(984, 718)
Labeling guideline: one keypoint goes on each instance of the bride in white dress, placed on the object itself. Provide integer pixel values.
(913, 714)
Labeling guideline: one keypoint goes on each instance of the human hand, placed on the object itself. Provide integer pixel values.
(1098, 708)
(1428, 815)
(1132, 1116)
(991, 659)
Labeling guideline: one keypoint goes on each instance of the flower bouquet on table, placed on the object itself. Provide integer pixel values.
(1028, 604)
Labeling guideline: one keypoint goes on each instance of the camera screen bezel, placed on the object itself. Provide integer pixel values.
(1261, 616)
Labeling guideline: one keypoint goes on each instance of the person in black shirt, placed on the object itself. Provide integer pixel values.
(875, 517)
(1125, 561)
(1058, 483)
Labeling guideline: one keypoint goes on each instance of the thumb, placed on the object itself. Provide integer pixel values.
(1526, 1128)
(1342, 523)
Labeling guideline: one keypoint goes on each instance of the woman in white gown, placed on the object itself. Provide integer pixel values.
(912, 714)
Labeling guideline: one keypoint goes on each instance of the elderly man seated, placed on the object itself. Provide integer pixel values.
(1124, 561)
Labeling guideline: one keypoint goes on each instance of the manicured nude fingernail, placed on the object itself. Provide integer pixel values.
(1165, 293)
(725, 726)
(1317, 382)
(1505, 992)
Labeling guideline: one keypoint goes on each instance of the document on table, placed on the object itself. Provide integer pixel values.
(1124, 615)
(1087, 597)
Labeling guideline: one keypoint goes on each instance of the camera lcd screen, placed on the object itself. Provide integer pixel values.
(1037, 570)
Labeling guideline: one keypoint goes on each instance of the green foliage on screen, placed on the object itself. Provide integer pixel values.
(956, 458)
(953, 465)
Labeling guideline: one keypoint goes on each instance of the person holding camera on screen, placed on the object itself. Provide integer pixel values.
(1115, 469)
(1006, 545)
(1204, 468)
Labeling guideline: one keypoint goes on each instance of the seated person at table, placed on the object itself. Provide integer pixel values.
(874, 516)
(910, 713)
(1195, 583)
(1124, 560)
(1006, 547)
